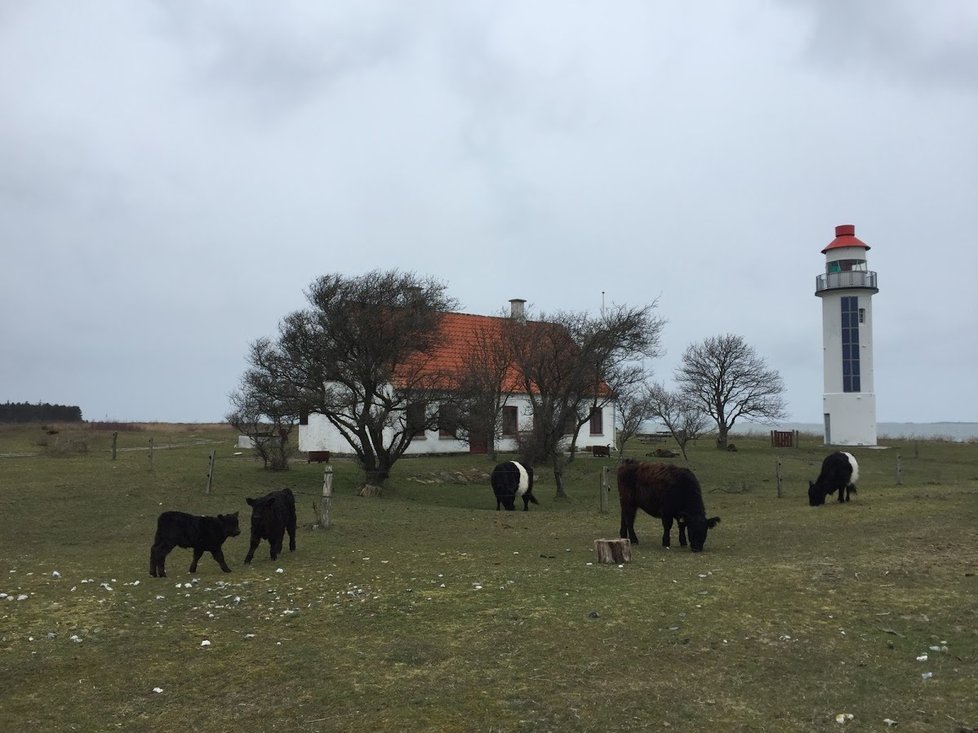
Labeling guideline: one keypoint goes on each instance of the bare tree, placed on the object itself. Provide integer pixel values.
(683, 417)
(632, 410)
(264, 407)
(571, 365)
(725, 377)
(360, 356)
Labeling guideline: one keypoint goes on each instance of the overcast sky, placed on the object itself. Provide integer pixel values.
(174, 175)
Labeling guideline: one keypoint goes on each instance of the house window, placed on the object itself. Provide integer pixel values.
(416, 419)
(597, 422)
(303, 418)
(447, 421)
(510, 421)
(850, 344)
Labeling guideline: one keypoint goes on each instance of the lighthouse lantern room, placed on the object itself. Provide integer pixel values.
(846, 289)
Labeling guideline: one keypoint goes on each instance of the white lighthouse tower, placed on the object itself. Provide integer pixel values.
(846, 290)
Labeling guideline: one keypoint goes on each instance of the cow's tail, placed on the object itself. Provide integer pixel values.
(532, 498)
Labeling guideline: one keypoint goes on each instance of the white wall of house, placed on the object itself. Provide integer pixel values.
(320, 435)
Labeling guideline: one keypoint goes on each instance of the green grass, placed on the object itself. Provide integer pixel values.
(428, 610)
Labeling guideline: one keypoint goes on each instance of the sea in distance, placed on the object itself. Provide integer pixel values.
(959, 432)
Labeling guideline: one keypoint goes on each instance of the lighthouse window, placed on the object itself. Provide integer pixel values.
(846, 266)
(850, 343)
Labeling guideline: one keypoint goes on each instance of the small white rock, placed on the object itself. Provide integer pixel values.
(280, 570)
(890, 722)
(843, 718)
(205, 642)
(55, 574)
(922, 658)
(157, 690)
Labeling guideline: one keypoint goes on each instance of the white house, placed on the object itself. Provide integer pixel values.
(317, 434)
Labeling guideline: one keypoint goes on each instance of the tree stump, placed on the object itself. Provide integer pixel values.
(613, 551)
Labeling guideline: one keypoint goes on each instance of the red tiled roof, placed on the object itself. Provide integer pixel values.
(845, 236)
(458, 344)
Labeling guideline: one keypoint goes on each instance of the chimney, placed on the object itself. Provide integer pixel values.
(516, 309)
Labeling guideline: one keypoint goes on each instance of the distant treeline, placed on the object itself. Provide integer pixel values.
(17, 412)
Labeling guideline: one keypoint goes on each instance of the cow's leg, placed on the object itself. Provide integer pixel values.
(275, 545)
(218, 555)
(290, 528)
(198, 553)
(682, 532)
(666, 530)
(628, 524)
(157, 559)
(842, 494)
(251, 549)
(526, 503)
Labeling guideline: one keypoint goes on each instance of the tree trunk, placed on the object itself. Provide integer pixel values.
(374, 482)
(559, 477)
(722, 437)
(614, 551)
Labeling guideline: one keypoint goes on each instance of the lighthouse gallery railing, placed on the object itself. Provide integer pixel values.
(848, 279)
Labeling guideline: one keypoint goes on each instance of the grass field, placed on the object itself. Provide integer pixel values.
(427, 610)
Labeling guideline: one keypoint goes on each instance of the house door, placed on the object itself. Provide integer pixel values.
(478, 443)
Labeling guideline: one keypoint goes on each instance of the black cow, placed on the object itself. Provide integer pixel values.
(840, 472)
(271, 515)
(509, 480)
(202, 534)
(665, 491)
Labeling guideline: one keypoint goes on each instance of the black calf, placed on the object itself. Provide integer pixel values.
(271, 516)
(202, 534)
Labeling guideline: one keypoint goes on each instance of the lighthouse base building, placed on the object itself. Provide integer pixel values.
(846, 289)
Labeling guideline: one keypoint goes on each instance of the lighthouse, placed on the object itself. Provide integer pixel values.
(846, 289)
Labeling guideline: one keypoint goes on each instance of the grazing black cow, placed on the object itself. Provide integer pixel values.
(665, 491)
(510, 480)
(271, 515)
(202, 534)
(840, 472)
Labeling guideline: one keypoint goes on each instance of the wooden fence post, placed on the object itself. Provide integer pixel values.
(151, 455)
(899, 471)
(115, 442)
(210, 470)
(604, 491)
(326, 505)
(780, 477)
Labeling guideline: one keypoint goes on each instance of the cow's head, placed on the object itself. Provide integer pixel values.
(261, 508)
(697, 528)
(229, 524)
(815, 496)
